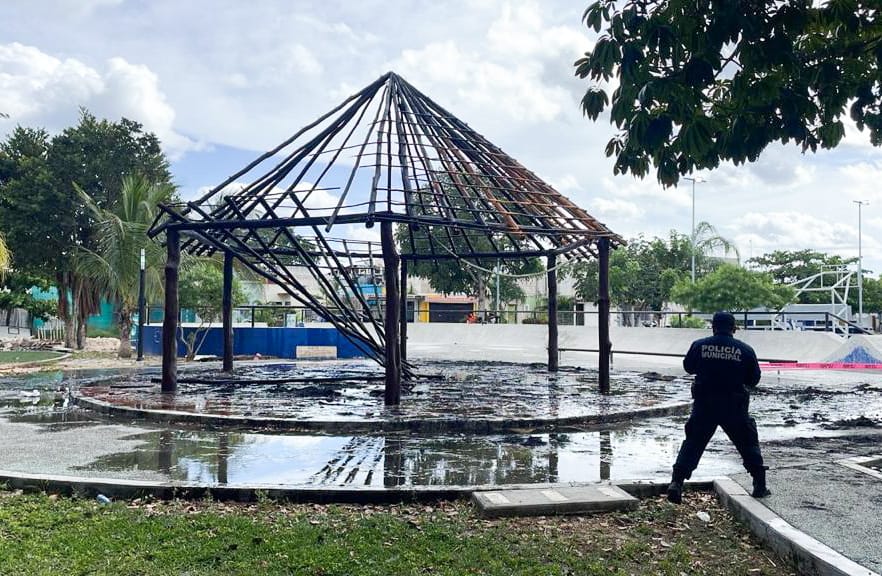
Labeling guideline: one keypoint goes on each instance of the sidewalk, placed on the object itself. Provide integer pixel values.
(837, 505)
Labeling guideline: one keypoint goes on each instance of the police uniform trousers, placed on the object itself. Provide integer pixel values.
(730, 414)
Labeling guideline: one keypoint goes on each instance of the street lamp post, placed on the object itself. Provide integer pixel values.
(141, 306)
(860, 204)
(692, 236)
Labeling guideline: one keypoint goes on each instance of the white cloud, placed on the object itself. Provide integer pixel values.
(521, 32)
(249, 75)
(799, 230)
(614, 209)
(510, 91)
(39, 89)
(33, 84)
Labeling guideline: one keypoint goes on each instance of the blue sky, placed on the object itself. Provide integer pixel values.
(222, 81)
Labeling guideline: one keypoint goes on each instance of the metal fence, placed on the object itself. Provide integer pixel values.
(275, 315)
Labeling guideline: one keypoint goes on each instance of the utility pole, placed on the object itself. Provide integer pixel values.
(860, 204)
(141, 307)
(498, 270)
(692, 236)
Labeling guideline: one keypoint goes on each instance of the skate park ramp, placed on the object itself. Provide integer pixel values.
(861, 349)
(526, 343)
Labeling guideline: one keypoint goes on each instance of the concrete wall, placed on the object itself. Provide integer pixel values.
(525, 343)
(529, 342)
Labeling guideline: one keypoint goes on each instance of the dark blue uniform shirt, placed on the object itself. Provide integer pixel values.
(723, 367)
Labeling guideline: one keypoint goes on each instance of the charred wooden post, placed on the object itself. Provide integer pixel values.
(227, 311)
(172, 310)
(404, 311)
(552, 314)
(391, 326)
(604, 345)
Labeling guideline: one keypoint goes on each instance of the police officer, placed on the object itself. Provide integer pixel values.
(726, 370)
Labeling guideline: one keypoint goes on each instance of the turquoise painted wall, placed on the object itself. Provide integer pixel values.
(104, 320)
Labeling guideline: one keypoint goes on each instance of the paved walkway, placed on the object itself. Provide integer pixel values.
(837, 505)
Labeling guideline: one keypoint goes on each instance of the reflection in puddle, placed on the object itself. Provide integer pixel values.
(396, 460)
(784, 408)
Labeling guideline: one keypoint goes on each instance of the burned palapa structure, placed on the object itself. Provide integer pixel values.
(391, 157)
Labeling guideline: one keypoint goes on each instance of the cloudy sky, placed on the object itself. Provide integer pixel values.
(221, 81)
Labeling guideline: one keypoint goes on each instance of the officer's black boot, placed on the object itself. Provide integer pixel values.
(675, 488)
(760, 490)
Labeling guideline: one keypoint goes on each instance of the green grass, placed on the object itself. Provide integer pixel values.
(14, 356)
(93, 332)
(42, 534)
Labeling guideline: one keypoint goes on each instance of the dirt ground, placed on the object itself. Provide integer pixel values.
(98, 353)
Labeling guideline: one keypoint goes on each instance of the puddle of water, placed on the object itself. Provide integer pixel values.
(403, 460)
(785, 408)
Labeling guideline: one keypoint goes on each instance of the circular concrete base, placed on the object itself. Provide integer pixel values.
(424, 425)
(347, 398)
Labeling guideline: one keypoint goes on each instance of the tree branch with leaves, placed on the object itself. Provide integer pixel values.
(692, 84)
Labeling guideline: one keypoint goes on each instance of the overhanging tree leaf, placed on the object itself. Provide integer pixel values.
(731, 78)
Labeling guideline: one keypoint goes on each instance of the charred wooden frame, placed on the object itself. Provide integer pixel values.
(387, 155)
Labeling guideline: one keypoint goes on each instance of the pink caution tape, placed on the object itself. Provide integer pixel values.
(820, 366)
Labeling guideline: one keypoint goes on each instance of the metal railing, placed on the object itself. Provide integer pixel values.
(277, 315)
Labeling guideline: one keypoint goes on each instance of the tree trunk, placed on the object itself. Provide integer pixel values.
(81, 333)
(125, 332)
(482, 296)
(70, 332)
(66, 309)
(81, 315)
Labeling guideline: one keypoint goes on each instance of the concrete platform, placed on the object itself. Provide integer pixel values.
(553, 500)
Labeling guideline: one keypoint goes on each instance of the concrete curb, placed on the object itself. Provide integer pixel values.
(126, 488)
(426, 425)
(810, 556)
(130, 489)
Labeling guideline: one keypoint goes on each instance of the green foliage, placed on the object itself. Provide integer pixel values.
(641, 274)
(43, 214)
(701, 82)
(687, 322)
(121, 231)
(201, 286)
(96, 332)
(731, 288)
(113, 267)
(786, 267)
(872, 295)
(15, 293)
(454, 276)
(97, 155)
(5, 255)
(272, 317)
(32, 210)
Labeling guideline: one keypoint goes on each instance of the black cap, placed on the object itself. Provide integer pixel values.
(723, 321)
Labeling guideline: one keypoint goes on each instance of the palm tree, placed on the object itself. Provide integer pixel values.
(114, 265)
(708, 241)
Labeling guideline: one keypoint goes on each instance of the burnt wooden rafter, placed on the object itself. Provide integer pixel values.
(387, 155)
